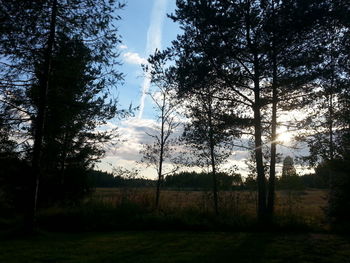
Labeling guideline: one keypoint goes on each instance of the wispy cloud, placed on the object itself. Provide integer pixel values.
(154, 41)
(122, 46)
(134, 58)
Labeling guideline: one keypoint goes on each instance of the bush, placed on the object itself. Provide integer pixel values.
(293, 182)
(339, 198)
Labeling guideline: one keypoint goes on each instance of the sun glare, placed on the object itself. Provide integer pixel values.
(284, 136)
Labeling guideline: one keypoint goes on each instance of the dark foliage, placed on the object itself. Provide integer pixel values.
(339, 198)
(104, 179)
(193, 180)
(14, 182)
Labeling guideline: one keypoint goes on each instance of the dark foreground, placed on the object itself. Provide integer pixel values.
(176, 247)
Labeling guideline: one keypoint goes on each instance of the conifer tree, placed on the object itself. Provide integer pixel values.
(30, 30)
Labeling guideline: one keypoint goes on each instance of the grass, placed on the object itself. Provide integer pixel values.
(146, 235)
(176, 247)
(132, 209)
(307, 204)
(125, 209)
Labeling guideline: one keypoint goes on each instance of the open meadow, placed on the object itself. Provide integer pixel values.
(307, 205)
(120, 225)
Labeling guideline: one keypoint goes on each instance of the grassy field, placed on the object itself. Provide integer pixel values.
(308, 204)
(72, 238)
(176, 247)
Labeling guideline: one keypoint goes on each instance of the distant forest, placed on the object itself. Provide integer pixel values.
(203, 181)
(238, 72)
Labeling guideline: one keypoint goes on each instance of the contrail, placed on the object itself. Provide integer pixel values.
(154, 41)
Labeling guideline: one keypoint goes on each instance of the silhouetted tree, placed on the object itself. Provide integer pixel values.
(244, 46)
(165, 106)
(210, 129)
(226, 39)
(288, 168)
(251, 50)
(324, 127)
(75, 108)
(30, 30)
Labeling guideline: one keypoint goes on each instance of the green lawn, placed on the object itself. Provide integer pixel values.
(176, 247)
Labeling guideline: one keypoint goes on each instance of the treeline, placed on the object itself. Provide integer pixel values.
(203, 181)
(193, 180)
(105, 179)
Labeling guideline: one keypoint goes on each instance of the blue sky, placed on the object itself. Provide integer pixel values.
(144, 27)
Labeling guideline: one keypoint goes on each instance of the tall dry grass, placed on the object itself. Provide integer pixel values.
(308, 205)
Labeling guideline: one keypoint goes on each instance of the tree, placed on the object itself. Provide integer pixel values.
(227, 37)
(288, 167)
(293, 57)
(254, 51)
(209, 130)
(30, 30)
(75, 108)
(166, 107)
(239, 43)
(324, 125)
(290, 179)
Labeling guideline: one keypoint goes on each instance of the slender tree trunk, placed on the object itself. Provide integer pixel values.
(272, 177)
(212, 157)
(331, 143)
(330, 127)
(160, 178)
(63, 164)
(261, 180)
(330, 99)
(215, 187)
(40, 119)
(161, 154)
(258, 147)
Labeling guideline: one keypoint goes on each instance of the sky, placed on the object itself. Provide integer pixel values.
(144, 28)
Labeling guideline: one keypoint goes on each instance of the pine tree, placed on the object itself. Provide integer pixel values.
(288, 167)
(225, 39)
(29, 36)
(260, 53)
(75, 108)
(210, 130)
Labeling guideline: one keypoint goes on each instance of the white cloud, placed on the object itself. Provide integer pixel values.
(134, 58)
(122, 46)
(145, 87)
(133, 134)
(154, 41)
(126, 153)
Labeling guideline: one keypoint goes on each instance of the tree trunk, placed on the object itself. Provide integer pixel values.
(261, 180)
(272, 177)
(40, 120)
(330, 127)
(331, 109)
(159, 181)
(212, 157)
(161, 154)
(215, 187)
